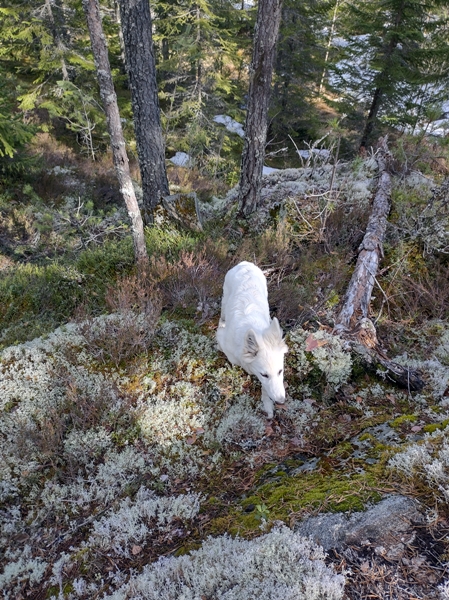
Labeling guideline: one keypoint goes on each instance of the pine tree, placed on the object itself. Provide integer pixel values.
(141, 68)
(265, 38)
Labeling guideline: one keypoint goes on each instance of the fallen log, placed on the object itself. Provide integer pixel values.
(353, 322)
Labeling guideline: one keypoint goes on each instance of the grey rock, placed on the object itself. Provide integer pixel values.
(386, 527)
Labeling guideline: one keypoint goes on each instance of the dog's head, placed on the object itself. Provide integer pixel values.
(263, 355)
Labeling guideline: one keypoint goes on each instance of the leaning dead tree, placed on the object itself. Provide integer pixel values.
(353, 321)
(119, 156)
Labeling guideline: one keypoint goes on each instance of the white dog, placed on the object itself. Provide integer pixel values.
(248, 336)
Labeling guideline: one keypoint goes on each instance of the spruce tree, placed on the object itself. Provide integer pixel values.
(393, 48)
(202, 57)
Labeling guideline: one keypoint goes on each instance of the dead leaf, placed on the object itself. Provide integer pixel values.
(269, 430)
(359, 399)
(416, 428)
(364, 567)
(312, 343)
(136, 549)
(199, 430)
(295, 441)
(191, 440)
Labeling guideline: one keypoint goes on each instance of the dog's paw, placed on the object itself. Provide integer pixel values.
(280, 406)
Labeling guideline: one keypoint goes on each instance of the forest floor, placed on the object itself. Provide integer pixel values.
(126, 436)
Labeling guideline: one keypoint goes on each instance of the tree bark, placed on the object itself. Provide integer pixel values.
(328, 46)
(265, 37)
(372, 116)
(141, 69)
(58, 32)
(109, 99)
(353, 321)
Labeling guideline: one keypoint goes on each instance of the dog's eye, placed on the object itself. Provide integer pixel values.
(264, 375)
(280, 372)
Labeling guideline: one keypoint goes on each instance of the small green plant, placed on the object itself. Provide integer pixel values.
(261, 512)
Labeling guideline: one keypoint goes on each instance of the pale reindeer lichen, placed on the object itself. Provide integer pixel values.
(279, 564)
(327, 353)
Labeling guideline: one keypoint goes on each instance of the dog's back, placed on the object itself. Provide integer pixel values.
(244, 306)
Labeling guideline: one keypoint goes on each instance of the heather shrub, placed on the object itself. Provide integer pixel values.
(435, 365)
(127, 332)
(193, 281)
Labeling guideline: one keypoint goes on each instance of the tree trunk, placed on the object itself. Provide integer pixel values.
(107, 93)
(58, 32)
(141, 68)
(372, 116)
(265, 37)
(353, 321)
(328, 46)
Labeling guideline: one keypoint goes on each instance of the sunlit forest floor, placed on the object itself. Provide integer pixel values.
(138, 463)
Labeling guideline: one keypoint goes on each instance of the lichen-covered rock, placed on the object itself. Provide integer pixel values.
(386, 527)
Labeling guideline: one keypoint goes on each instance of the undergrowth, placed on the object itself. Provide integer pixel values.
(126, 436)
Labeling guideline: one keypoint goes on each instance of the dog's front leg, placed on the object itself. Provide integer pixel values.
(267, 404)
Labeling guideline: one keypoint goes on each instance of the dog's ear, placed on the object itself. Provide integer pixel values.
(275, 332)
(250, 346)
(275, 327)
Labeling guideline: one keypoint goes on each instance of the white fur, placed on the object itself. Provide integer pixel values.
(248, 336)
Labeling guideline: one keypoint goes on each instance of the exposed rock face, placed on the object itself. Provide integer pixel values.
(387, 528)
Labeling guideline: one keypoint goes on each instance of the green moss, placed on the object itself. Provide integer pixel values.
(170, 241)
(281, 500)
(343, 450)
(402, 420)
(366, 437)
(432, 427)
(333, 299)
